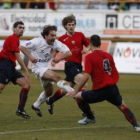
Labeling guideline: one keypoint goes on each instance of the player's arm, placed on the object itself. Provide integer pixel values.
(63, 56)
(62, 48)
(53, 57)
(27, 54)
(80, 86)
(22, 64)
(86, 44)
(85, 49)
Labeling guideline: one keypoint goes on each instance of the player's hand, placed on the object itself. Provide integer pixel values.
(84, 51)
(52, 63)
(56, 60)
(33, 59)
(71, 93)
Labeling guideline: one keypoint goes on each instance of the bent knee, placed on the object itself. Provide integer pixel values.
(1, 88)
(78, 96)
(26, 85)
(56, 78)
(122, 106)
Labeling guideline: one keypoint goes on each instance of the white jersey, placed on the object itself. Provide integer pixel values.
(42, 51)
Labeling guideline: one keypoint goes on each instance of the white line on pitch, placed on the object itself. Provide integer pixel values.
(62, 128)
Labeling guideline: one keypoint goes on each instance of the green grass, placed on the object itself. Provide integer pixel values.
(62, 125)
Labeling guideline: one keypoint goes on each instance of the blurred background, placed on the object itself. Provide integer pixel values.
(116, 21)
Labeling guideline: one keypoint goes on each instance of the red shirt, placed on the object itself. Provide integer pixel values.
(75, 44)
(10, 46)
(100, 65)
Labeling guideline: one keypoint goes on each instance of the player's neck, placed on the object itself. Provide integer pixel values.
(95, 48)
(70, 33)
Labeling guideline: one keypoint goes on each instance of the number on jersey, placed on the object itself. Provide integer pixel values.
(106, 66)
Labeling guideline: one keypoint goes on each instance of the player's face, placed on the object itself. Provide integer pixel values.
(19, 30)
(70, 27)
(50, 38)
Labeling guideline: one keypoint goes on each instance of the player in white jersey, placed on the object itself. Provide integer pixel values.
(42, 50)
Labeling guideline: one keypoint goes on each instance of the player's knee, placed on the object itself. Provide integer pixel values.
(57, 78)
(1, 89)
(122, 106)
(78, 96)
(78, 78)
(26, 85)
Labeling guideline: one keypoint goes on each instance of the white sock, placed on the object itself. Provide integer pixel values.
(64, 85)
(41, 99)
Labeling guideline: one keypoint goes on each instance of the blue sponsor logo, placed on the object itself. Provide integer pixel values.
(28, 43)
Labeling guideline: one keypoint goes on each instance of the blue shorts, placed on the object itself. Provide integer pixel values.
(8, 72)
(110, 94)
(71, 70)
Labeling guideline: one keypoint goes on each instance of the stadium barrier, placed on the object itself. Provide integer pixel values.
(59, 2)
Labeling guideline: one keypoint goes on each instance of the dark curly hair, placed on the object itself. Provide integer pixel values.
(47, 29)
(68, 19)
(17, 23)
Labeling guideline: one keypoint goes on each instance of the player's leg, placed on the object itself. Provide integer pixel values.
(48, 91)
(21, 81)
(46, 77)
(116, 99)
(77, 80)
(2, 86)
(5, 73)
(36, 105)
(74, 75)
(58, 94)
(84, 106)
(129, 116)
(51, 75)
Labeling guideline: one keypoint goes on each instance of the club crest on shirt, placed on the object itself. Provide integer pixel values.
(73, 42)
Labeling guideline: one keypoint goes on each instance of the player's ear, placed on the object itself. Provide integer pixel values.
(13, 29)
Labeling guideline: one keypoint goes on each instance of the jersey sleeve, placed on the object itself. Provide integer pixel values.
(85, 40)
(59, 46)
(15, 45)
(30, 44)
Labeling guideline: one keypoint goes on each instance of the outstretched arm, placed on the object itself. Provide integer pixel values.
(80, 86)
(62, 57)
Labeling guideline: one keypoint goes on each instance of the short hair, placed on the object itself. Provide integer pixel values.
(17, 23)
(95, 40)
(47, 29)
(68, 19)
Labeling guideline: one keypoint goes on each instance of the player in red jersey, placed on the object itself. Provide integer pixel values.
(8, 56)
(78, 45)
(100, 66)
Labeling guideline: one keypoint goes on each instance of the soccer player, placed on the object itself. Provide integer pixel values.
(78, 45)
(100, 66)
(43, 49)
(8, 56)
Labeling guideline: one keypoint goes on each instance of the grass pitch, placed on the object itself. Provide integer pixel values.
(62, 125)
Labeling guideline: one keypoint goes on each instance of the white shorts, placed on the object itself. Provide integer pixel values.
(39, 74)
